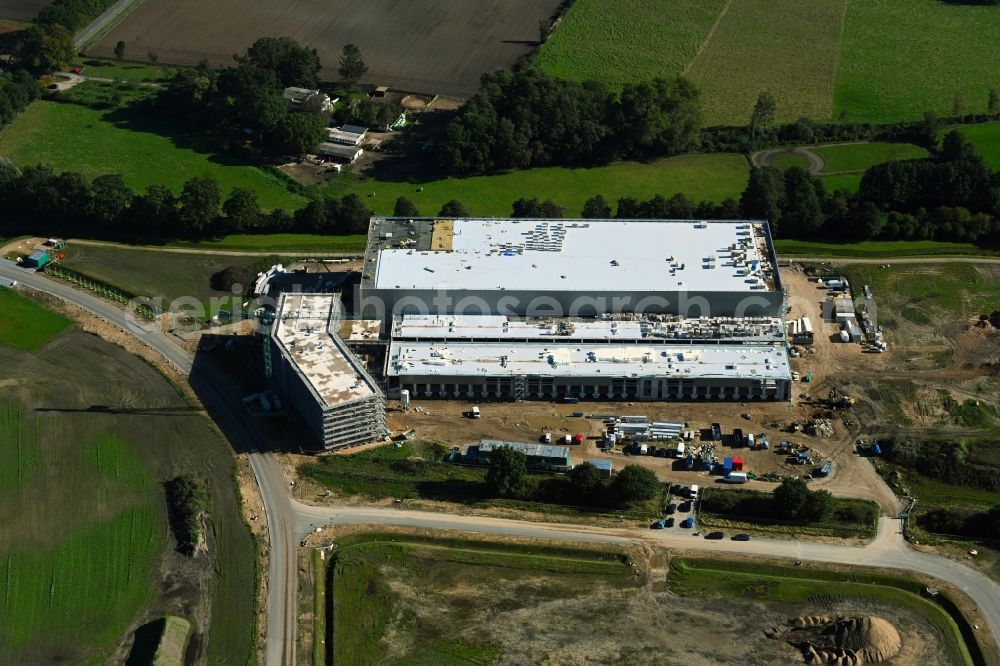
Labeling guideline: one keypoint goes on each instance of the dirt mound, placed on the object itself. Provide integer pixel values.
(413, 103)
(842, 640)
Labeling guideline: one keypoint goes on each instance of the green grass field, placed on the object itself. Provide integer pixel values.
(785, 47)
(77, 580)
(700, 177)
(876, 249)
(986, 139)
(146, 150)
(88, 433)
(600, 40)
(169, 276)
(860, 156)
(905, 57)
(789, 159)
(848, 181)
(822, 59)
(25, 324)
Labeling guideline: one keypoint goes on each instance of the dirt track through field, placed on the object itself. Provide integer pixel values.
(414, 45)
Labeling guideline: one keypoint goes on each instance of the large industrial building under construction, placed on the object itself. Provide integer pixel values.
(521, 309)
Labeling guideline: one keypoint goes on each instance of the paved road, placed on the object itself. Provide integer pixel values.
(102, 21)
(289, 521)
(816, 163)
(889, 549)
(230, 253)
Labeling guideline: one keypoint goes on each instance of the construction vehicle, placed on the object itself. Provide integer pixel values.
(839, 400)
(807, 378)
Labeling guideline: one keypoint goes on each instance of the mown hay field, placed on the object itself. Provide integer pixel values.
(904, 57)
(417, 45)
(21, 10)
(599, 40)
(857, 60)
(785, 47)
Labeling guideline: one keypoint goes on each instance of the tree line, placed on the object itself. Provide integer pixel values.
(508, 477)
(106, 207)
(527, 119)
(791, 501)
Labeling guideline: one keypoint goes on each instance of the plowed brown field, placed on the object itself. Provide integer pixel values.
(434, 46)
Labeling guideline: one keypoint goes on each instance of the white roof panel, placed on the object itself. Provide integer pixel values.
(585, 255)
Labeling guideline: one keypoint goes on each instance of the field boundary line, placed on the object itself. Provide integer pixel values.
(836, 58)
(708, 37)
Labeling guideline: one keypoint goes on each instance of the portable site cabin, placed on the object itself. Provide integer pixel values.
(38, 260)
(738, 464)
(604, 468)
(8, 283)
(736, 477)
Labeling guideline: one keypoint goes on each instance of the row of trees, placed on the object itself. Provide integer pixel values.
(583, 486)
(526, 118)
(107, 207)
(791, 501)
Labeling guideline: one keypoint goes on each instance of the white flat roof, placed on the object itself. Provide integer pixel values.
(594, 360)
(458, 327)
(584, 255)
(302, 327)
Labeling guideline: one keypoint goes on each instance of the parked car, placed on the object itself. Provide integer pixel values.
(670, 522)
(659, 524)
(685, 506)
(671, 508)
(741, 537)
(715, 535)
(687, 523)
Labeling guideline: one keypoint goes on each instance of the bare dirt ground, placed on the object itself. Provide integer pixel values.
(553, 619)
(21, 10)
(418, 46)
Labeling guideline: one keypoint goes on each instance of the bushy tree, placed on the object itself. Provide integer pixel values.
(297, 133)
(404, 207)
(352, 66)
(764, 195)
(291, 63)
(199, 205)
(801, 210)
(110, 198)
(635, 483)
(596, 208)
(585, 481)
(242, 210)
(762, 118)
(508, 472)
(120, 51)
(453, 208)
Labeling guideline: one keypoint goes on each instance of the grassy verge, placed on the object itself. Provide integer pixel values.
(305, 244)
(319, 608)
(26, 325)
(878, 249)
(775, 582)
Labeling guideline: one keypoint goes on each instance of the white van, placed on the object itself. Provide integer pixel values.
(693, 492)
(547, 438)
(475, 412)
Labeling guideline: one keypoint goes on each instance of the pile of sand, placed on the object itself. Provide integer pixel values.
(842, 640)
(413, 103)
